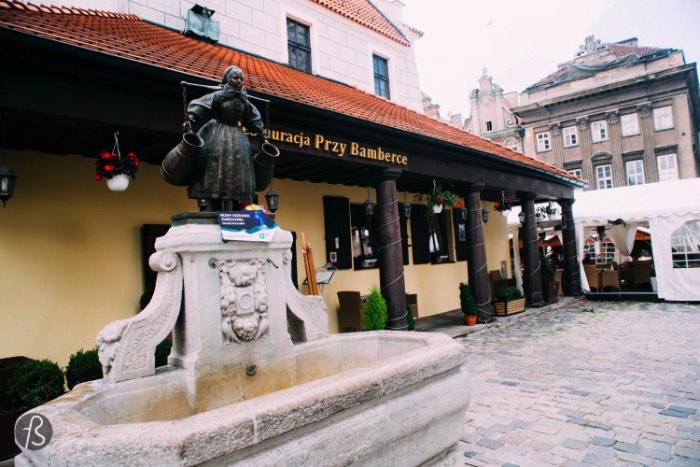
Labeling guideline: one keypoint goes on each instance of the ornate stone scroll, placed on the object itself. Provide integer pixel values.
(127, 347)
(243, 299)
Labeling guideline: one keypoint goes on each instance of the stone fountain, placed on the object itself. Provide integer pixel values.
(253, 378)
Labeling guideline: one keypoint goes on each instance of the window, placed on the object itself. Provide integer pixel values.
(685, 245)
(604, 176)
(635, 172)
(489, 126)
(599, 131)
(381, 76)
(663, 118)
(570, 136)
(363, 238)
(576, 173)
(629, 124)
(543, 143)
(599, 252)
(668, 169)
(299, 46)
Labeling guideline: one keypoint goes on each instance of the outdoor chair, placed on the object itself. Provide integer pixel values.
(557, 278)
(591, 271)
(642, 273)
(350, 311)
(496, 281)
(610, 278)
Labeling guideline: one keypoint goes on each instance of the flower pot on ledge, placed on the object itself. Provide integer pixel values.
(437, 208)
(118, 182)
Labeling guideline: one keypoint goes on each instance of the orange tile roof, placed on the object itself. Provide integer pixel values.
(128, 37)
(366, 14)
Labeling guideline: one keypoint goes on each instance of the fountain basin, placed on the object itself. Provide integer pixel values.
(380, 398)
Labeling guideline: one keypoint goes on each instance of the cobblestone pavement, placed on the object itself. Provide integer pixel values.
(595, 383)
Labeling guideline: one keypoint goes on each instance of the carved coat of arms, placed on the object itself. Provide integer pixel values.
(243, 300)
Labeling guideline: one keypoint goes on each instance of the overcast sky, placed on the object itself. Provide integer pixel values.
(522, 41)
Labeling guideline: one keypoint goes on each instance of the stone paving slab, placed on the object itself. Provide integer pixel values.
(586, 383)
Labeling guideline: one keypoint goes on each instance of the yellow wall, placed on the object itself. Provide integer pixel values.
(70, 251)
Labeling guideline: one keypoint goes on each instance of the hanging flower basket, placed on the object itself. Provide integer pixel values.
(116, 169)
(503, 207)
(437, 200)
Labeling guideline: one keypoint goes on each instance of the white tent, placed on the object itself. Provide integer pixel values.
(672, 209)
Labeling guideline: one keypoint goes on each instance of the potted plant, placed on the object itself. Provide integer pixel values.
(509, 301)
(549, 211)
(468, 305)
(374, 315)
(503, 207)
(84, 365)
(116, 169)
(437, 200)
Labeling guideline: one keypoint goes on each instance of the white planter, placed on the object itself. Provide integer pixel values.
(653, 284)
(118, 182)
(504, 213)
(555, 217)
(437, 208)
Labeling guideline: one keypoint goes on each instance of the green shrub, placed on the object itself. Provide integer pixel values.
(374, 315)
(162, 352)
(409, 315)
(508, 293)
(84, 365)
(466, 300)
(34, 384)
(547, 270)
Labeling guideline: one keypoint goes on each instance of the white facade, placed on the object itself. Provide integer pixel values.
(341, 49)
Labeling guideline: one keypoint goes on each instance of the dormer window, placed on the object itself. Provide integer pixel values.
(200, 24)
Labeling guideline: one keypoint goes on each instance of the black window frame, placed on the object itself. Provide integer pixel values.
(294, 47)
(381, 78)
(359, 221)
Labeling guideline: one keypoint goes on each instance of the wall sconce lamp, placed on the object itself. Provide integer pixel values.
(272, 198)
(369, 205)
(7, 176)
(485, 215)
(521, 217)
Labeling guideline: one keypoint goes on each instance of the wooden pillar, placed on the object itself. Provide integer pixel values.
(391, 279)
(572, 272)
(476, 252)
(532, 279)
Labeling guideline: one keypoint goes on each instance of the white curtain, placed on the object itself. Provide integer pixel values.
(623, 236)
(581, 235)
(516, 259)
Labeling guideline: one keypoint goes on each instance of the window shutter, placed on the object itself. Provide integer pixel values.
(419, 231)
(336, 214)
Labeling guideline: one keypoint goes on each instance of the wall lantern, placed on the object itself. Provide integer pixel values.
(521, 217)
(406, 207)
(369, 205)
(7, 176)
(463, 213)
(7, 183)
(485, 215)
(273, 200)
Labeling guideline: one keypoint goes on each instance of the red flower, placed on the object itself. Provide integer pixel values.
(109, 168)
(136, 162)
(105, 155)
(98, 177)
(438, 200)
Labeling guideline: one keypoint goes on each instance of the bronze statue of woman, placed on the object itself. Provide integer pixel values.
(222, 175)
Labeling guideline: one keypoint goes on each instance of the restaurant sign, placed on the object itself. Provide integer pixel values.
(317, 142)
